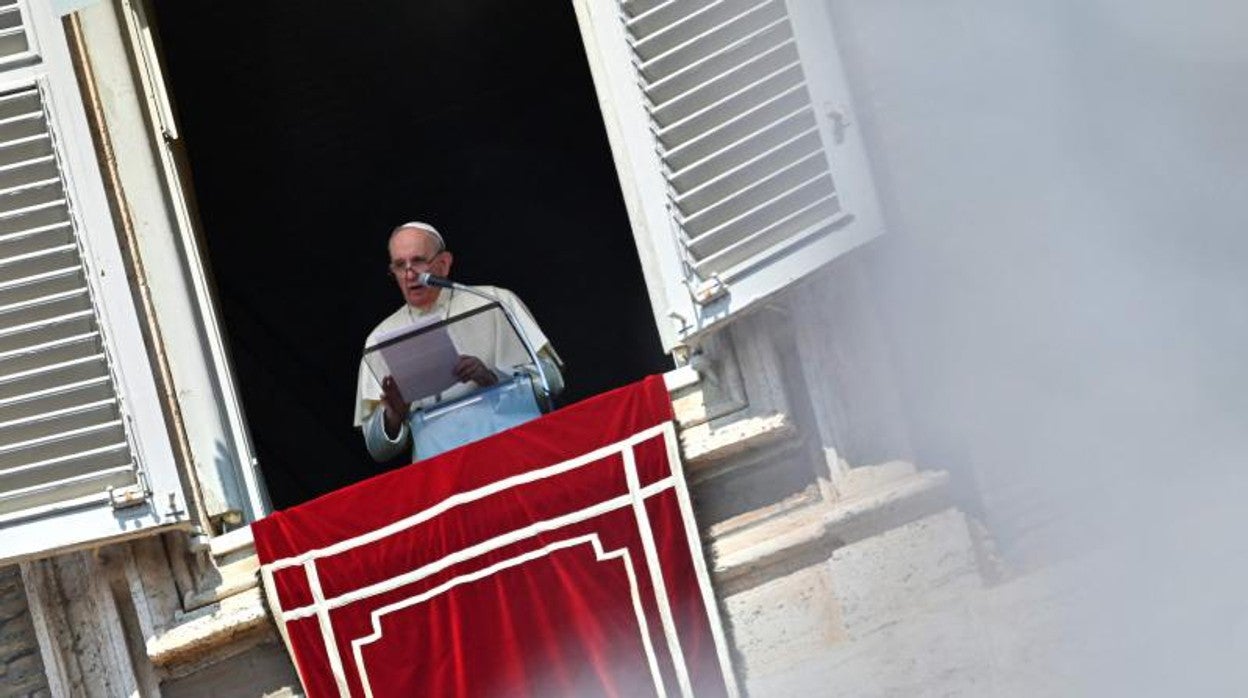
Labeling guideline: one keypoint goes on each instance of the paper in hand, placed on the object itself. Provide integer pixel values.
(421, 357)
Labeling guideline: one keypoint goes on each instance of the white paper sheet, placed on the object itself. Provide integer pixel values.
(420, 362)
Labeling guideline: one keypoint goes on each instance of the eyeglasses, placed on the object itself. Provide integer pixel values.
(415, 264)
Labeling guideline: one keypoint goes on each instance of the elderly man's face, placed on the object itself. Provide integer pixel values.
(411, 253)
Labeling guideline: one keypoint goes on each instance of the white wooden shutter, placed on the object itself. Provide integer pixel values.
(84, 455)
(14, 40)
(736, 147)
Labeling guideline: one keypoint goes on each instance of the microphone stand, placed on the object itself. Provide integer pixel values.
(428, 279)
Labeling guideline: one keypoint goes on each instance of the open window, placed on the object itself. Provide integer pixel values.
(732, 138)
(84, 452)
(318, 132)
(730, 124)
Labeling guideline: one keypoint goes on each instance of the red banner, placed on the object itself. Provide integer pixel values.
(559, 558)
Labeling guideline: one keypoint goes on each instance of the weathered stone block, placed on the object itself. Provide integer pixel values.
(785, 621)
(886, 578)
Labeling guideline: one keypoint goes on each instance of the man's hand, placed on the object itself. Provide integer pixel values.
(396, 407)
(470, 368)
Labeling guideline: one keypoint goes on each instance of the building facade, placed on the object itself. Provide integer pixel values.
(842, 566)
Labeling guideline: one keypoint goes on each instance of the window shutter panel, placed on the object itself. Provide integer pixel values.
(14, 41)
(84, 454)
(732, 118)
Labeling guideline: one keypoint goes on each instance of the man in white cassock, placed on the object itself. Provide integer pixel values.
(381, 411)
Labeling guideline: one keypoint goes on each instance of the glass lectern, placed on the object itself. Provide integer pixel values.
(445, 412)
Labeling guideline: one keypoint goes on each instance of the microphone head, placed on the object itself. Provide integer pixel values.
(427, 279)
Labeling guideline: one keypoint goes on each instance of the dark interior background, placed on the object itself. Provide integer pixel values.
(311, 133)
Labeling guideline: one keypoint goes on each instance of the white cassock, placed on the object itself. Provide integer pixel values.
(490, 340)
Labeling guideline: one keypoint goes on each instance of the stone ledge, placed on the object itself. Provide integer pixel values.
(702, 445)
(738, 556)
(234, 569)
(240, 574)
(213, 632)
(233, 545)
(680, 378)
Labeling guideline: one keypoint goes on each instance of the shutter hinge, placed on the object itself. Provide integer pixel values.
(126, 497)
(840, 123)
(132, 495)
(175, 511)
(710, 290)
(681, 322)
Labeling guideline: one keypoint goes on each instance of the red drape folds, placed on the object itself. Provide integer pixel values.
(558, 558)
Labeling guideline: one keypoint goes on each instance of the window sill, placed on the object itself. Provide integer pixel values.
(740, 557)
(212, 633)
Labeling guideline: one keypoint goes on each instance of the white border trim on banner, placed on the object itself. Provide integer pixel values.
(699, 564)
(327, 627)
(462, 498)
(635, 498)
(657, 582)
(622, 554)
(473, 551)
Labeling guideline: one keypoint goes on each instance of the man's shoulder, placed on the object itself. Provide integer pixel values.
(396, 319)
(504, 294)
(509, 299)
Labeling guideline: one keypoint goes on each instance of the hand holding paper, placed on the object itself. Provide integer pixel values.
(470, 368)
(420, 359)
(395, 405)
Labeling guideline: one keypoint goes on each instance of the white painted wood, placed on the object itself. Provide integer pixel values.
(18, 45)
(638, 166)
(734, 140)
(78, 404)
(138, 123)
(64, 7)
(199, 331)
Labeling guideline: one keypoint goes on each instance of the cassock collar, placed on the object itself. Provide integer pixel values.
(438, 307)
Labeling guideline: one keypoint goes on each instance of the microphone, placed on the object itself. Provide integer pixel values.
(427, 279)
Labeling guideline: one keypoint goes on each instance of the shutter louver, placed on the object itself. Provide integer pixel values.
(727, 95)
(62, 437)
(84, 451)
(13, 38)
(729, 121)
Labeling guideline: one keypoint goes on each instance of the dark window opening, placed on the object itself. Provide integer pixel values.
(311, 132)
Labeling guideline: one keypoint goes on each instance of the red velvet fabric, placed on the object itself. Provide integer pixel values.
(515, 566)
